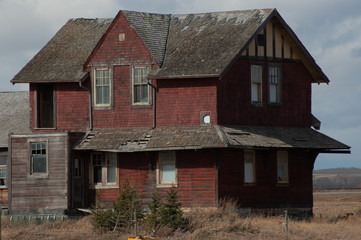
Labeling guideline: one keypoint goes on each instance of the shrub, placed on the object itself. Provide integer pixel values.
(153, 218)
(126, 206)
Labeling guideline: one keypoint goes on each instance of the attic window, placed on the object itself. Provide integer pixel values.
(261, 40)
(121, 37)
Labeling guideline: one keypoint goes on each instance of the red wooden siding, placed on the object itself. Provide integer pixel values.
(234, 101)
(180, 102)
(267, 193)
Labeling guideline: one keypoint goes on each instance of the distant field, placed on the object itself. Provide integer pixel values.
(337, 215)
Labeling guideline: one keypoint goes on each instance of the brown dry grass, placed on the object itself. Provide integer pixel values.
(337, 216)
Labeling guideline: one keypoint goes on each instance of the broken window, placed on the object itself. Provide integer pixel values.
(166, 169)
(38, 161)
(45, 106)
(103, 169)
(282, 167)
(141, 88)
(274, 81)
(249, 167)
(256, 83)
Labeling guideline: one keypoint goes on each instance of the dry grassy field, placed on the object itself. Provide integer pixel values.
(337, 215)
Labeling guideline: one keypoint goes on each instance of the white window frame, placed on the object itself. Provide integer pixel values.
(4, 169)
(274, 84)
(110, 85)
(256, 84)
(144, 82)
(46, 155)
(282, 163)
(247, 162)
(104, 171)
(160, 182)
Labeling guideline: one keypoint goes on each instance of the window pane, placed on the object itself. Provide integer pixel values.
(106, 96)
(99, 96)
(111, 174)
(168, 173)
(255, 96)
(97, 174)
(282, 166)
(248, 173)
(144, 90)
(273, 93)
(3, 159)
(39, 164)
(137, 93)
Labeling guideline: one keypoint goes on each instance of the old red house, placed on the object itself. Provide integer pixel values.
(216, 104)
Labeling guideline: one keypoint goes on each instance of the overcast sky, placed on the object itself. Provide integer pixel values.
(329, 29)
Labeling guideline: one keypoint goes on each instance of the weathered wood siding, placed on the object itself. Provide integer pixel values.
(39, 194)
(195, 171)
(266, 192)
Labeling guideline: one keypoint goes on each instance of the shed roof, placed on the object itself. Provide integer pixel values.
(206, 136)
(15, 116)
(63, 57)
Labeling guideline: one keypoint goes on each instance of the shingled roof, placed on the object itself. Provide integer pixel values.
(63, 57)
(203, 45)
(206, 136)
(15, 115)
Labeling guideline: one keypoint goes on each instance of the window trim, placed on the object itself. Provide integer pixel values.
(103, 184)
(253, 168)
(282, 182)
(134, 104)
(36, 106)
(279, 89)
(30, 171)
(260, 88)
(6, 169)
(110, 104)
(161, 184)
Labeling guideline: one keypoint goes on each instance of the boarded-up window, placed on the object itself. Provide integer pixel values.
(249, 167)
(3, 162)
(256, 83)
(102, 85)
(103, 169)
(38, 158)
(167, 168)
(45, 106)
(274, 84)
(282, 167)
(141, 88)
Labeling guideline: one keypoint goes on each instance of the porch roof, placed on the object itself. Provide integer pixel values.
(207, 136)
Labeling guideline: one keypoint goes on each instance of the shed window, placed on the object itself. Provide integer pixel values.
(282, 167)
(274, 82)
(38, 160)
(167, 172)
(140, 86)
(102, 86)
(103, 170)
(249, 167)
(3, 163)
(256, 83)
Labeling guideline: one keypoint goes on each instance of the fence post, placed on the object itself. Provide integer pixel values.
(286, 224)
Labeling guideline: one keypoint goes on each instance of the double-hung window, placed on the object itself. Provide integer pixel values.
(249, 167)
(102, 87)
(166, 169)
(103, 170)
(140, 86)
(282, 167)
(256, 83)
(274, 81)
(3, 163)
(38, 159)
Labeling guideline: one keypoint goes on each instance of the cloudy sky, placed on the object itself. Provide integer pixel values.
(330, 30)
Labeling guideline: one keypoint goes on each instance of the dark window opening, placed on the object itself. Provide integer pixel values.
(45, 106)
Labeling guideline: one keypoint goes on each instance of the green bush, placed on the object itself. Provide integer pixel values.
(122, 215)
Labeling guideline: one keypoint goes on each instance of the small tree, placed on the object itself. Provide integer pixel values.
(171, 213)
(122, 214)
(153, 218)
